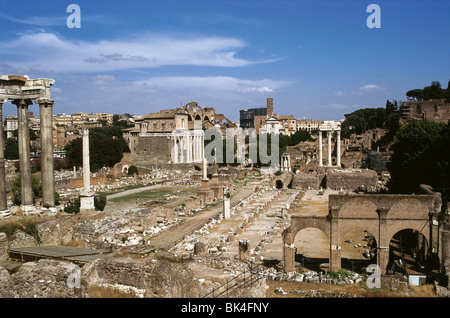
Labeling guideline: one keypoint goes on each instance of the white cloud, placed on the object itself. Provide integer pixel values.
(213, 83)
(55, 54)
(339, 93)
(370, 87)
(38, 21)
(109, 94)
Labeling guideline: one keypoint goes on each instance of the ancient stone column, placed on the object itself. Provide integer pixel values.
(338, 148)
(47, 169)
(3, 202)
(329, 163)
(86, 195)
(320, 149)
(26, 189)
(205, 169)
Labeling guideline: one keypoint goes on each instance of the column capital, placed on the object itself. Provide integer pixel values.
(22, 102)
(45, 101)
(3, 100)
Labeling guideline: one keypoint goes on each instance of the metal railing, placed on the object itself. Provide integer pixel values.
(245, 279)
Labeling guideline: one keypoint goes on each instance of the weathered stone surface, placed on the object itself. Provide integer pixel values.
(160, 278)
(22, 239)
(351, 179)
(5, 284)
(3, 247)
(42, 279)
(57, 231)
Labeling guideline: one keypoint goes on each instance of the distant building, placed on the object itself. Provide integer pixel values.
(173, 136)
(272, 126)
(256, 117)
(11, 124)
(308, 124)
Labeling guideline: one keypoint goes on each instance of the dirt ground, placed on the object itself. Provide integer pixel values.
(304, 289)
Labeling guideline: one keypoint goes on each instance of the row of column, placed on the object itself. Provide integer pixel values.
(338, 148)
(46, 131)
(188, 148)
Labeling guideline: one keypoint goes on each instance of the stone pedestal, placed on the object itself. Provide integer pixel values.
(244, 250)
(87, 201)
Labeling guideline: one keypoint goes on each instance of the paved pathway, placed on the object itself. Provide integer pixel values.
(172, 236)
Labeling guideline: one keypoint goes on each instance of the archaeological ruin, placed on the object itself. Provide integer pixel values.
(22, 91)
(180, 226)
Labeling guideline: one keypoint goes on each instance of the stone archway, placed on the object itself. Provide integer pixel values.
(279, 184)
(311, 248)
(372, 212)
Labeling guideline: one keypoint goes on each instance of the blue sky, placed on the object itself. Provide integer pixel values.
(317, 59)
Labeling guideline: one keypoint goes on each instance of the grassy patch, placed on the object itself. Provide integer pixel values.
(108, 292)
(143, 196)
(122, 189)
(26, 225)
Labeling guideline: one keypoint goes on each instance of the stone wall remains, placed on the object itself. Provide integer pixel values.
(351, 180)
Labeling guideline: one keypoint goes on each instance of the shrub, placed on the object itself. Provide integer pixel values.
(100, 202)
(133, 170)
(72, 206)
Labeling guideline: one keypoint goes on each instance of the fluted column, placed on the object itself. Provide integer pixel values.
(3, 202)
(338, 148)
(47, 166)
(26, 188)
(329, 163)
(320, 149)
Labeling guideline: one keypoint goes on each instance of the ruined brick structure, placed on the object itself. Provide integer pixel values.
(382, 215)
(436, 110)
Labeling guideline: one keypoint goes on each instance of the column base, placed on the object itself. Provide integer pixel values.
(5, 213)
(28, 209)
(49, 210)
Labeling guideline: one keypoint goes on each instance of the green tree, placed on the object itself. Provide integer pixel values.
(133, 170)
(15, 188)
(420, 155)
(11, 149)
(105, 149)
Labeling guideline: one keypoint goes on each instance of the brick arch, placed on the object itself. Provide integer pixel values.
(325, 249)
(289, 234)
(299, 224)
(422, 226)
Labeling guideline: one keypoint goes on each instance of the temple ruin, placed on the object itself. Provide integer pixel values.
(22, 91)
